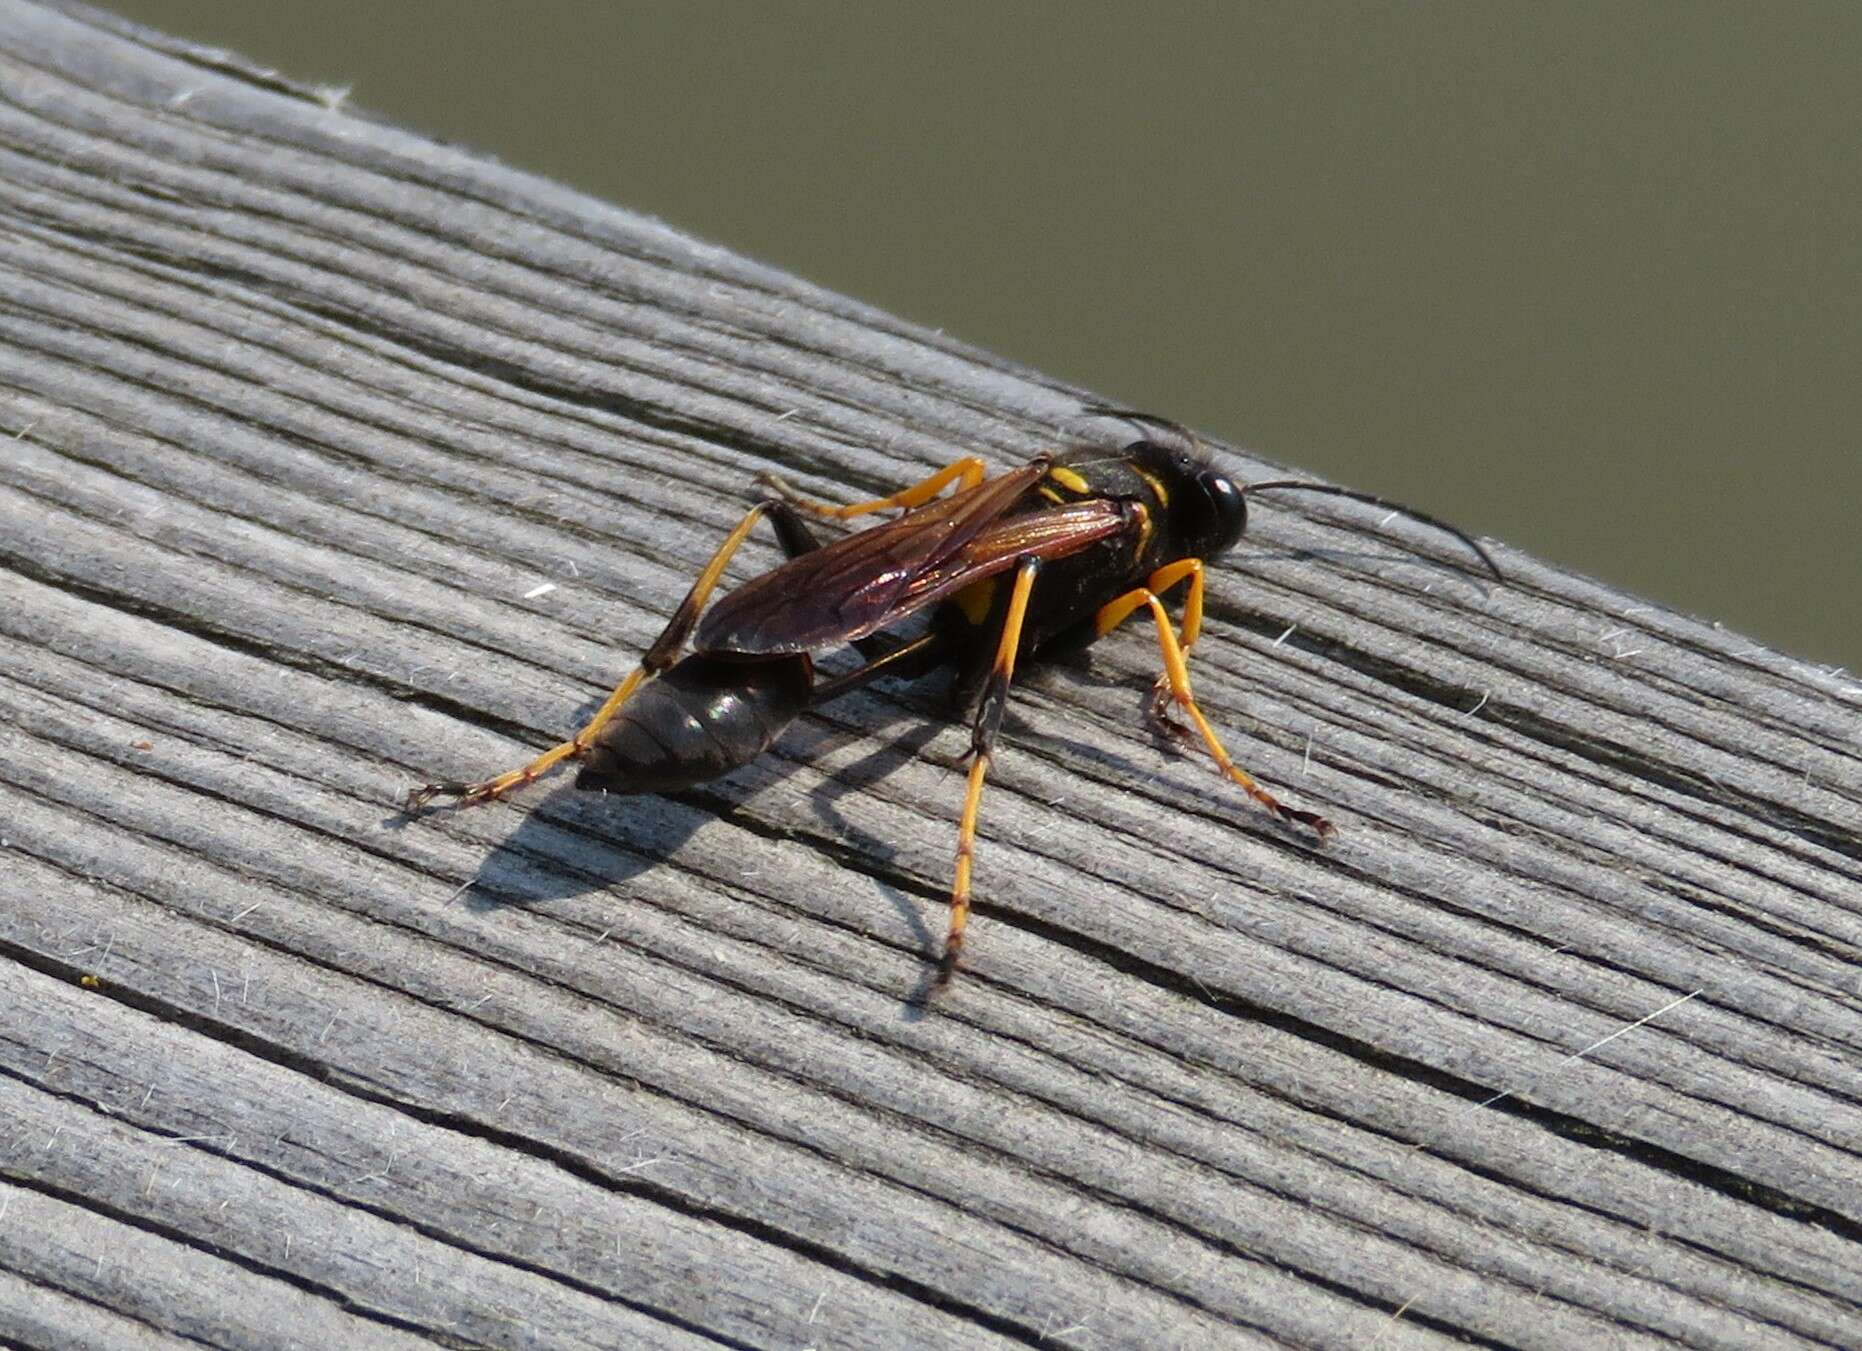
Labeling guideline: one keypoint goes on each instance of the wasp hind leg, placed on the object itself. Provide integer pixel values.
(1173, 686)
(965, 473)
(664, 652)
(988, 722)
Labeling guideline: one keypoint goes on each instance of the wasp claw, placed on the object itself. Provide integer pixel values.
(418, 798)
(1317, 824)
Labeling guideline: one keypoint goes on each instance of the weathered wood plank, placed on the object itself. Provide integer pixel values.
(91, 1279)
(300, 409)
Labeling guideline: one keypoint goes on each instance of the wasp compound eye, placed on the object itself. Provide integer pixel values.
(1215, 513)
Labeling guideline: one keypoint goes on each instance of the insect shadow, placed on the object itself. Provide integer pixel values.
(577, 843)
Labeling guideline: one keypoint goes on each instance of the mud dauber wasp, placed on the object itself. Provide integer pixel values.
(1057, 552)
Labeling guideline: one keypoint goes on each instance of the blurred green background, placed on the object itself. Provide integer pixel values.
(1583, 277)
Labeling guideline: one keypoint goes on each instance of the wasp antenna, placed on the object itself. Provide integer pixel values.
(1107, 410)
(1372, 499)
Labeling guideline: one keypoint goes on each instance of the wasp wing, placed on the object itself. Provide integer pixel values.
(837, 591)
(1053, 532)
(864, 582)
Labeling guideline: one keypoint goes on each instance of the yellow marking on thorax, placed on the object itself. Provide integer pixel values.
(1069, 480)
(1144, 529)
(1051, 495)
(977, 600)
(1156, 485)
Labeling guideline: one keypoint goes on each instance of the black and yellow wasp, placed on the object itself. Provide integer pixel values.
(1059, 551)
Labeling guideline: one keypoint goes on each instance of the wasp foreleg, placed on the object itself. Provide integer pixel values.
(1174, 684)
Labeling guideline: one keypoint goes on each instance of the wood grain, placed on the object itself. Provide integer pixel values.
(1556, 1044)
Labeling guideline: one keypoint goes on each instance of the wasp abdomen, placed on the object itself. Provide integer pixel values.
(703, 718)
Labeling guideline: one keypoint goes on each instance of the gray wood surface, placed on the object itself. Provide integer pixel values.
(1556, 1044)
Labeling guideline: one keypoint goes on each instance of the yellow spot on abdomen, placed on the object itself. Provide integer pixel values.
(977, 601)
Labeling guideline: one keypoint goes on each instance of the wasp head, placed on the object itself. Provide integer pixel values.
(1202, 506)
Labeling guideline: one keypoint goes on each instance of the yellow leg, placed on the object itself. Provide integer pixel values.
(662, 654)
(1116, 612)
(966, 473)
(982, 739)
(1176, 677)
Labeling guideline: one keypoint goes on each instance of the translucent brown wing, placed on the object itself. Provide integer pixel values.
(1053, 532)
(866, 581)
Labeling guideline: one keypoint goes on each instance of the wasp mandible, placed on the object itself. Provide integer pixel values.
(1060, 551)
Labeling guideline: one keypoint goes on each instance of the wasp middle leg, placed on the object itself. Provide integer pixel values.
(982, 742)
